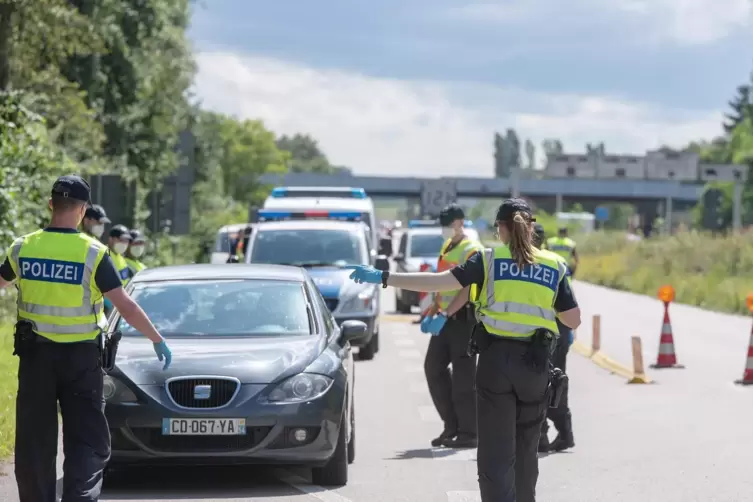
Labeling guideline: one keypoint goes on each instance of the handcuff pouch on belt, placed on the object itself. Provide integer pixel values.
(540, 352)
(24, 338)
(110, 350)
(558, 382)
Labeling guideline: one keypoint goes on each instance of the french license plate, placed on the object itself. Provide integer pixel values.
(203, 426)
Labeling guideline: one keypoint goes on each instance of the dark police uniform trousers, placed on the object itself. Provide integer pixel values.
(560, 416)
(71, 374)
(512, 403)
(452, 392)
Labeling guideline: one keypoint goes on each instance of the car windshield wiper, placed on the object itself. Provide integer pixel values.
(307, 264)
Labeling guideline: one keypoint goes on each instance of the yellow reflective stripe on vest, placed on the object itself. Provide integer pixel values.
(47, 282)
(505, 317)
(457, 256)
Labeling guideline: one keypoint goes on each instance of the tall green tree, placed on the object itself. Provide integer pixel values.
(305, 154)
(741, 106)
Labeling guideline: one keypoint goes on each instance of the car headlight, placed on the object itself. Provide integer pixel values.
(117, 392)
(299, 388)
(361, 302)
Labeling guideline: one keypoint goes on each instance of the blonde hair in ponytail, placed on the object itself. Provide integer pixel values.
(521, 240)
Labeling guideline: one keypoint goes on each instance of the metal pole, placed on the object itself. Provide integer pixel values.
(558, 203)
(668, 215)
(737, 207)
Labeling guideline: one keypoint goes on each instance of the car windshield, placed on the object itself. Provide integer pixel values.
(308, 247)
(425, 245)
(223, 308)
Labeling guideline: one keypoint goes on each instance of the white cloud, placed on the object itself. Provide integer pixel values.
(685, 22)
(414, 128)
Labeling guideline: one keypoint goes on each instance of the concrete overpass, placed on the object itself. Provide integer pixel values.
(548, 194)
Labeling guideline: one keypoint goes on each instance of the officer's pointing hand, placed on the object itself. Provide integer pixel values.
(365, 274)
(163, 352)
(436, 324)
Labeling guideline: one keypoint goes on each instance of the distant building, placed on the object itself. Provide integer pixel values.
(654, 165)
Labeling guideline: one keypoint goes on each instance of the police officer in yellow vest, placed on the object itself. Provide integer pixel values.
(565, 247)
(452, 392)
(136, 249)
(118, 242)
(61, 276)
(560, 416)
(518, 292)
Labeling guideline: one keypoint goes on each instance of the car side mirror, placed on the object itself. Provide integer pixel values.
(382, 263)
(351, 331)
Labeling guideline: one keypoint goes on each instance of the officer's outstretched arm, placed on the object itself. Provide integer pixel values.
(424, 281)
(570, 318)
(133, 314)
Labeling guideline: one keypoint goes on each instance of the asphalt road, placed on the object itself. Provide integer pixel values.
(683, 439)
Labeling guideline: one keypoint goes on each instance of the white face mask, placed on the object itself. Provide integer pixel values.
(448, 232)
(120, 247)
(137, 250)
(98, 230)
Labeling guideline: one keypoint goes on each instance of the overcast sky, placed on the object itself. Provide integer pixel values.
(418, 87)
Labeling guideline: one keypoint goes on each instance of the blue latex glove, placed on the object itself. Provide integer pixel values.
(163, 352)
(570, 337)
(108, 304)
(425, 324)
(436, 324)
(365, 274)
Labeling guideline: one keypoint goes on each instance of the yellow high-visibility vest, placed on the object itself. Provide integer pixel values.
(121, 265)
(57, 292)
(135, 265)
(448, 260)
(563, 246)
(514, 302)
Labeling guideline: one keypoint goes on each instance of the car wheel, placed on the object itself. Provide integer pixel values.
(352, 442)
(401, 307)
(367, 352)
(335, 471)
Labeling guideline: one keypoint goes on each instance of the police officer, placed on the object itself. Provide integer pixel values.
(118, 242)
(94, 221)
(452, 392)
(517, 290)
(61, 276)
(565, 247)
(560, 416)
(136, 249)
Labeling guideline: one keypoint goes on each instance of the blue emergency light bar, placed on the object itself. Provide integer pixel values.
(353, 193)
(269, 215)
(422, 223)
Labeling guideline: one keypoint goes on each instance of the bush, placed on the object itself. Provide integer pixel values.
(710, 272)
(8, 366)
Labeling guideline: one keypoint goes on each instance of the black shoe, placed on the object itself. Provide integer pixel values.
(562, 442)
(544, 445)
(462, 441)
(439, 440)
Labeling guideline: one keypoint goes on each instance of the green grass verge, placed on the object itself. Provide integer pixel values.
(715, 273)
(8, 383)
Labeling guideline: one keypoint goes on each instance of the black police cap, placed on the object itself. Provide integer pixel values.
(97, 212)
(509, 207)
(72, 187)
(120, 232)
(538, 229)
(450, 213)
(137, 236)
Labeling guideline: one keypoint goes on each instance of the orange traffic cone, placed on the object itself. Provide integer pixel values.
(748, 373)
(667, 357)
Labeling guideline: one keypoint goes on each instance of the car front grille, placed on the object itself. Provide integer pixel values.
(153, 438)
(331, 303)
(183, 392)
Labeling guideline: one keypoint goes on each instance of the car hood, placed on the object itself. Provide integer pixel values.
(415, 263)
(333, 282)
(260, 360)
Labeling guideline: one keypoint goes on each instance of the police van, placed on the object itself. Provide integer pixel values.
(420, 243)
(325, 199)
(325, 244)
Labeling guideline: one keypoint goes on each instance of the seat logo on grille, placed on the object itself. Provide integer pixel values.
(201, 392)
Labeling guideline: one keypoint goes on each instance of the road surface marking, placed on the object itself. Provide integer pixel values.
(413, 369)
(460, 455)
(405, 318)
(404, 342)
(429, 414)
(418, 387)
(602, 361)
(410, 354)
(315, 491)
(463, 496)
